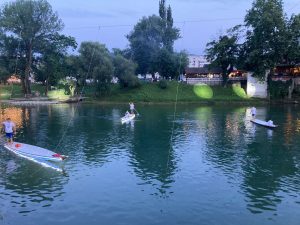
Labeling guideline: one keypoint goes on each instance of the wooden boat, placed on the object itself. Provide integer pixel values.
(263, 123)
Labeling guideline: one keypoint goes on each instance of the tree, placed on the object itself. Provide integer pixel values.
(34, 24)
(169, 64)
(266, 36)
(125, 71)
(96, 63)
(292, 53)
(224, 53)
(149, 36)
(50, 66)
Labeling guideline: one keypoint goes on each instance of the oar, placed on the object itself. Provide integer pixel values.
(136, 112)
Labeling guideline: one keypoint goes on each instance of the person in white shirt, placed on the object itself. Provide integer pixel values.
(131, 106)
(253, 111)
(9, 128)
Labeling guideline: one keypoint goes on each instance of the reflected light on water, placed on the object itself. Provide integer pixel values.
(17, 115)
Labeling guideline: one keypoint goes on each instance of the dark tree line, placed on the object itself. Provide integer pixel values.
(31, 43)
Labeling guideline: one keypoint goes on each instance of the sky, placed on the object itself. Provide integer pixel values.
(109, 21)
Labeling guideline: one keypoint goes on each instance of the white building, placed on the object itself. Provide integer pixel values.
(197, 61)
(257, 88)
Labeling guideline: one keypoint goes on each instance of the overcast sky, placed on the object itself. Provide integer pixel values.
(109, 21)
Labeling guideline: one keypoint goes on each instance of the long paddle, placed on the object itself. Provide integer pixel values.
(137, 113)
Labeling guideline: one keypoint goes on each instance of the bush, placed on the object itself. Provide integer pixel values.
(163, 84)
(279, 89)
(130, 81)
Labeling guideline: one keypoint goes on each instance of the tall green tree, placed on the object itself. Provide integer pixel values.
(96, 64)
(150, 36)
(51, 63)
(124, 70)
(33, 23)
(224, 53)
(266, 36)
(292, 53)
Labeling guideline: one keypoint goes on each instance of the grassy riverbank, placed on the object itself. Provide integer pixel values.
(186, 93)
(150, 92)
(15, 91)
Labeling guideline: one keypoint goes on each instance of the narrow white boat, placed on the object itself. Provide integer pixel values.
(34, 152)
(263, 123)
(127, 118)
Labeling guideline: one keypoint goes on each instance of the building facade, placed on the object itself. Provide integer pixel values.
(197, 61)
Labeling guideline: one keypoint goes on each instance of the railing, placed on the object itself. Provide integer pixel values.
(212, 81)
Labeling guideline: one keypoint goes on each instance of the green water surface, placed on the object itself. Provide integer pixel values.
(218, 168)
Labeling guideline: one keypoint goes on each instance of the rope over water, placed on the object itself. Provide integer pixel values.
(175, 106)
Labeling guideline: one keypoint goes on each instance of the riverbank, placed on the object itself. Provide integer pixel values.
(182, 93)
(148, 93)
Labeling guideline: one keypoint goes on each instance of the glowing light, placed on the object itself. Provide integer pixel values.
(203, 91)
(239, 91)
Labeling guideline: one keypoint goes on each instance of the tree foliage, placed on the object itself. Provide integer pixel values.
(224, 53)
(153, 38)
(266, 36)
(33, 25)
(125, 71)
(95, 63)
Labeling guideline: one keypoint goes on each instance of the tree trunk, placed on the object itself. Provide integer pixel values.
(27, 89)
(47, 86)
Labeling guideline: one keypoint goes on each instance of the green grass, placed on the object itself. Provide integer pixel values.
(15, 91)
(149, 92)
(186, 93)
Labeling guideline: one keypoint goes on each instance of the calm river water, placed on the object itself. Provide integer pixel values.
(219, 168)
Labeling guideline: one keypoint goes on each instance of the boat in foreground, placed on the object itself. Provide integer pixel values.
(127, 118)
(33, 152)
(263, 123)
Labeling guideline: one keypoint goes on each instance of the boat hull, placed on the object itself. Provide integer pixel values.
(126, 119)
(33, 152)
(263, 123)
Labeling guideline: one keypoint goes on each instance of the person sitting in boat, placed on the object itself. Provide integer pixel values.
(253, 111)
(270, 123)
(131, 106)
(9, 128)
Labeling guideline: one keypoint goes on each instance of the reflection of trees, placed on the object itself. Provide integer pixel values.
(265, 167)
(263, 173)
(151, 147)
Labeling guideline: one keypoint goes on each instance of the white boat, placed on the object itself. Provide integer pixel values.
(264, 123)
(127, 118)
(33, 152)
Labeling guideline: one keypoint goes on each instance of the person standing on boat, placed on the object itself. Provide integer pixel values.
(9, 128)
(131, 106)
(253, 111)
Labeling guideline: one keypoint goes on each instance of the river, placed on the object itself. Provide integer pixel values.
(210, 165)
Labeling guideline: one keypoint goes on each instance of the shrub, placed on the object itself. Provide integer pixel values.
(163, 84)
(130, 81)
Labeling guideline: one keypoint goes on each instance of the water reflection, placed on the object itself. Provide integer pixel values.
(153, 156)
(130, 169)
(241, 151)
